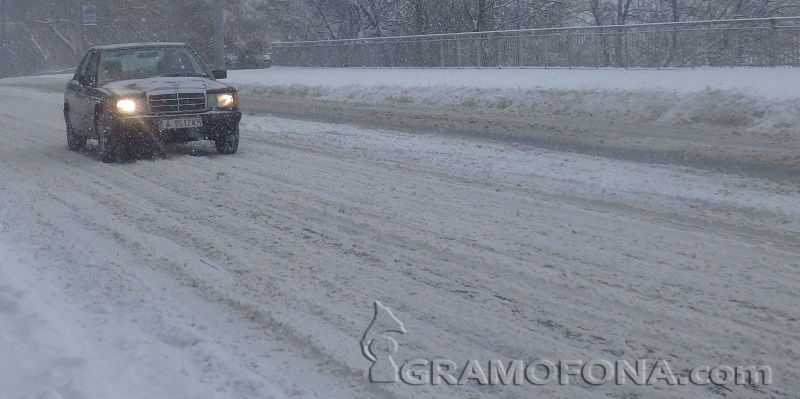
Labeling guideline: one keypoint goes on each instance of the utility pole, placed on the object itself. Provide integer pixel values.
(3, 20)
(219, 33)
(81, 40)
(3, 39)
(87, 19)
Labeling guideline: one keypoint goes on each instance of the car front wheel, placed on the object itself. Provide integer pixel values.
(74, 142)
(106, 147)
(228, 144)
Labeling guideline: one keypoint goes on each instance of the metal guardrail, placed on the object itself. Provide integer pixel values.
(724, 43)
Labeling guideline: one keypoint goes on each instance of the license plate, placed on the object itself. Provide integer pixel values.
(180, 123)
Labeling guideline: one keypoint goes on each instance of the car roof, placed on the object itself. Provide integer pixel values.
(138, 45)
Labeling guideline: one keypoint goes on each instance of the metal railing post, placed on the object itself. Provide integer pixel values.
(546, 57)
(499, 59)
(773, 44)
(442, 52)
(458, 52)
(626, 47)
(598, 55)
(480, 52)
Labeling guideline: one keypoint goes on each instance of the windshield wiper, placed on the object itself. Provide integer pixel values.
(185, 75)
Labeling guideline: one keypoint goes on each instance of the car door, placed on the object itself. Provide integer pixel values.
(84, 96)
(72, 96)
(89, 93)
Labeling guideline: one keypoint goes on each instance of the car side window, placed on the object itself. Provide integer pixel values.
(82, 66)
(90, 74)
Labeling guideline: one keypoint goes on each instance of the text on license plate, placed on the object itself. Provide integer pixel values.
(181, 123)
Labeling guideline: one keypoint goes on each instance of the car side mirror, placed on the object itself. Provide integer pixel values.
(86, 80)
(220, 74)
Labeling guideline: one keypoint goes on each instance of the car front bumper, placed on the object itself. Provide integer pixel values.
(216, 124)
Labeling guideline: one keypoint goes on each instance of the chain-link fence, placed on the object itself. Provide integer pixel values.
(738, 42)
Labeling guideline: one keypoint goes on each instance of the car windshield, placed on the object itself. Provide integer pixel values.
(140, 63)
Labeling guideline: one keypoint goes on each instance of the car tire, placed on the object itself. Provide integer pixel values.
(107, 149)
(74, 141)
(228, 144)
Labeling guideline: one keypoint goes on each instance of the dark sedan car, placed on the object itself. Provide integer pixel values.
(133, 96)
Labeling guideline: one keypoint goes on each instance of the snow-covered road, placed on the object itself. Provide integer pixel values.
(255, 274)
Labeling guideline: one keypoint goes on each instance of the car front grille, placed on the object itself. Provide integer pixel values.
(177, 102)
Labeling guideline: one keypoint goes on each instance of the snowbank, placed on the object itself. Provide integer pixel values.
(758, 100)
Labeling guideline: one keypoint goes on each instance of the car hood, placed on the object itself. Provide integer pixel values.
(164, 84)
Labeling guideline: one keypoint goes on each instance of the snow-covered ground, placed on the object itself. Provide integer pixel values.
(254, 274)
(60, 346)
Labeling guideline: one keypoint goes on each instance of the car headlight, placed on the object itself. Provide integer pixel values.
(127, 106)
(227, 100)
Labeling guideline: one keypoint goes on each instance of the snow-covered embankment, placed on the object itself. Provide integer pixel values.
(754, 100)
